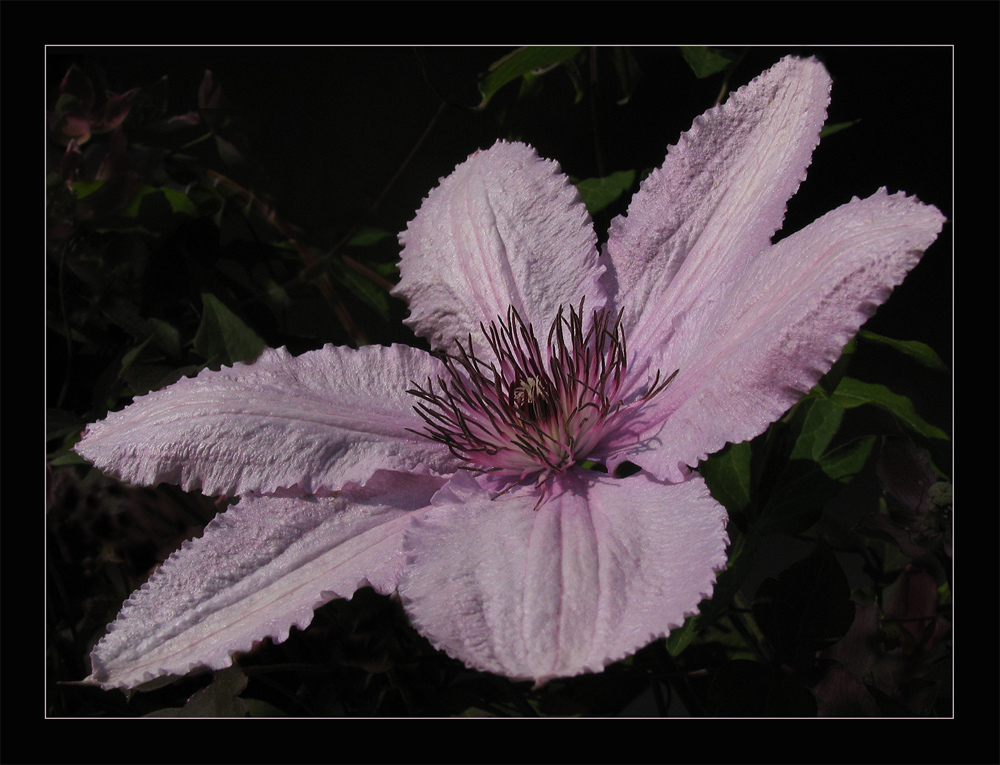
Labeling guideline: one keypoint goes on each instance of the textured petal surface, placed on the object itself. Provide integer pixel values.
(506, 228)
(595, 573)
(259, 569)
(720, 195)
(754, 343)
(314, 421)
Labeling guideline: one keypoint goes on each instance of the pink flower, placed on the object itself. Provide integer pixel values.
(463, 479)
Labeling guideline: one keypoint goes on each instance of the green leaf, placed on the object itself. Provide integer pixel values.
(220, 699)
(223, 337)
(628, 72)
(818, 420)
(209, 200)
(807, 608)
(682, 637)
(83, 189)
(851, 393)
(836, 128)
(167, 337)
(728, 476)
(174, 201)
(828, 383)
(369, 235)
(742, 554)
(805, 485)
(919, 352)
(372, 294)
(59, 423)
(70, 103)
(846, 461)
(133, 354)
(797, 499)
(520, 63)
(260, 708)
(150, 209)
(745, 688)
(704, 61)
(598, 193)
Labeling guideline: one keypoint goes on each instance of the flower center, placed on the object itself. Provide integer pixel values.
(530, 414)
(527, 391)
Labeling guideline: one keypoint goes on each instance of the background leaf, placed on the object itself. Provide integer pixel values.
(598, 193)
(851, 393)
(806, 608)
(704, 61)
(223, 338)
(919, 352)
(520, 63)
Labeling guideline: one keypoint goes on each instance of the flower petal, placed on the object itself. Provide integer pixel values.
(260, 568)
(602, 568)
(722, 190)
(506, 228)
(755, 343)
(313, 421)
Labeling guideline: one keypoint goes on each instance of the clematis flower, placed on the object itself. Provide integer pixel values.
(486, 482)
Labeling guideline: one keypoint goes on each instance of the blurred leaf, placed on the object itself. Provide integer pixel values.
(807, 608)
(149, 209)
(530, 82)
(125, 314)
(369, 235)
(804, 486)
(743, 688)
(598, 193)
(375, 296)
(919, 352)
(796, 502)
(210, 200)
(220, 699)
(742, 554)
(133, 354)
(72, 103)
(59, 423)
(851, 393)
(704, 61)
(223, 337)
(168, 337)
(628, 72)
(165, 336)
(258, 708)
(836, 128)
(798, 475)
(522, 62)
(84, 188)
(176, 201)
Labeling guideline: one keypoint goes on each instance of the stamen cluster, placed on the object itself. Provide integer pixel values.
(531, 413)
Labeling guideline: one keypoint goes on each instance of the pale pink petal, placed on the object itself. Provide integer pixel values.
(259, 569)
(506, 228)
(764, 336)
(719, 197)
(598, 571)
(314, 421)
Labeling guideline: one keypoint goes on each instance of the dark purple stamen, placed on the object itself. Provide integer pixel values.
(527, 413)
